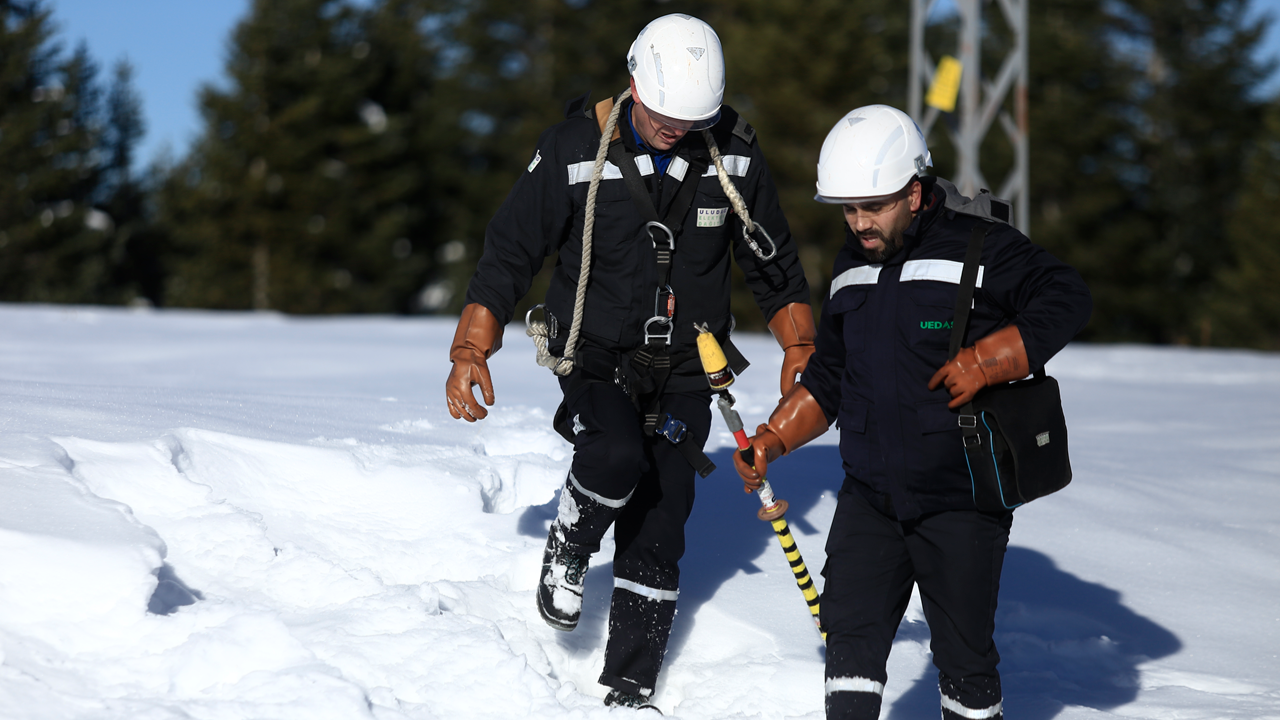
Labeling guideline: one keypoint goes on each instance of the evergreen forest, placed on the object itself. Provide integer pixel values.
(353, 153)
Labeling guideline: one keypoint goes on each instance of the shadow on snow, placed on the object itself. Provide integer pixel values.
(1063, 641)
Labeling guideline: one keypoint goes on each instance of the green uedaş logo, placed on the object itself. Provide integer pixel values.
(935, 324)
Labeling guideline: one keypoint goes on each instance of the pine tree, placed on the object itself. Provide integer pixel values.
(1245, 311)
(311, 188)
(52, 249)
(1198, 118)
(1082, 153)
(137, 250)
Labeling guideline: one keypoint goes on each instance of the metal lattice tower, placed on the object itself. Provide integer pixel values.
(981, 101)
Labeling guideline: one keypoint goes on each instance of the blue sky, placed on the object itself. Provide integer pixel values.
(174, 45)
(177, 45)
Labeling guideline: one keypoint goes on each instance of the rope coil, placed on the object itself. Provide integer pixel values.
(539, 331)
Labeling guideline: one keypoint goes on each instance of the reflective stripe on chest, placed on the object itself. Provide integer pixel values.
(735, 165)
(947, 271)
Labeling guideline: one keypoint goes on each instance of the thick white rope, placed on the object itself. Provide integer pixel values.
(538, 330)
(726, 184)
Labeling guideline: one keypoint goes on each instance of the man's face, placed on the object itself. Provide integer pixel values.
(657, 131)
(879, 223)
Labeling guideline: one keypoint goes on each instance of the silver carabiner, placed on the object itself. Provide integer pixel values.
(755, 247)
(671, 238)
(649, 336)
(553, 325)
(527, 315)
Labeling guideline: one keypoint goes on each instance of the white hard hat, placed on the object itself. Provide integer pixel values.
(872, 152)
(678, 68)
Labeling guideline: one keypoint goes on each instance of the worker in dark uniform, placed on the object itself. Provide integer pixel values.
(905, 513)
(645, 196)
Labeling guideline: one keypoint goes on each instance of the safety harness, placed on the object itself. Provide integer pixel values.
(643, 374)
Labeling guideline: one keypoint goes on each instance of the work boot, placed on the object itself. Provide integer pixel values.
(619, 698)
(560, 587)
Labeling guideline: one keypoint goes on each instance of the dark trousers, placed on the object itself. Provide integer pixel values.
(955, 558)
(645, 488)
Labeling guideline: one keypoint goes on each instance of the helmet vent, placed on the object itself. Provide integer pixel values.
(696, 52)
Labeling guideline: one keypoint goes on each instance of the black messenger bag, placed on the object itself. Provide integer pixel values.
(1015, 436)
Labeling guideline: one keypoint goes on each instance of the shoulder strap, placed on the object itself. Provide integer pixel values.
(960, 321)
(968, 279)
(626, 163)
(683, 200)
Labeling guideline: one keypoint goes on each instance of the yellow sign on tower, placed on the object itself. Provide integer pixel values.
(946, 85)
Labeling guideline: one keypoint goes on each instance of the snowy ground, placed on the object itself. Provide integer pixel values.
(218, 516)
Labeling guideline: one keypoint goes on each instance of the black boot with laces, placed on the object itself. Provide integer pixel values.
(560, 587)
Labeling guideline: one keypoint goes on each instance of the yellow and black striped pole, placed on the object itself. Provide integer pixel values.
(773, 510)
(783, 531)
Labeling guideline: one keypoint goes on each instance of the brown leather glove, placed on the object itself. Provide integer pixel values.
(797, 420)
(479, 335)
(996, 358)
(793, 328)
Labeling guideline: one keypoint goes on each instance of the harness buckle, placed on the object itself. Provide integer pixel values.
(671, 238)
(665, 322)
(672, 429)
(967, 421)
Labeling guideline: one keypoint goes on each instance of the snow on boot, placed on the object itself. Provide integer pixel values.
(618, 698)
(581, 520)
(560, 588)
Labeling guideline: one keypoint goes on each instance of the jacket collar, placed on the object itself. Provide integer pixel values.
(934, 200)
